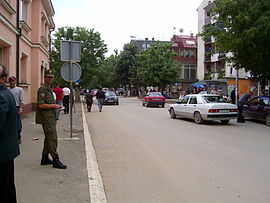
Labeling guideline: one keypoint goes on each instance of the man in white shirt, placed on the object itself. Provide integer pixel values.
(19, 99)
(66, 91)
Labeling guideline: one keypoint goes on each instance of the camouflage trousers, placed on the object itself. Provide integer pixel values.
(50, 140)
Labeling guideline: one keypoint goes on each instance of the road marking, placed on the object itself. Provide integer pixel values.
(68, 138)
(96, 189)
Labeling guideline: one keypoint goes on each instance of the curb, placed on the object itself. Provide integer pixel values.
(96, 189)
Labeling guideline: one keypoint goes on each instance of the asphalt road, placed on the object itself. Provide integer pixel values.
(146, 157)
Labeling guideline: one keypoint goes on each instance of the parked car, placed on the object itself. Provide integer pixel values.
(201, 107)
(153, 99)
(258, 109)
(111, 98)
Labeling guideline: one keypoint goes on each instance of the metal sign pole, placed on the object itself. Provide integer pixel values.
(71, 89)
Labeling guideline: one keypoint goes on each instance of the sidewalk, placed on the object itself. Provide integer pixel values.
(44, 184)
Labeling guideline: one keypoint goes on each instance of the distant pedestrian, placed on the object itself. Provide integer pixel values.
(19, 99)
(66, 92)
(9, 147)
(89, 100)
(214, 91)
(233, 96)
(59, 97)
(242, 101)
(100, 97)
(45, 115)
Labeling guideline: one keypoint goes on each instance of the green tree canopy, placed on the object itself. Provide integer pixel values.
(92, 53)
(157, 67)
(126, 65)
(243, 28)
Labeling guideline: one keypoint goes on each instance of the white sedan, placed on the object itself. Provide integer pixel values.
(202, 107)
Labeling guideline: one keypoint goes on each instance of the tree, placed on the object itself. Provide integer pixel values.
(107, 73)
(126, 65)
(243, 28)
(92, 53)
(157, 67)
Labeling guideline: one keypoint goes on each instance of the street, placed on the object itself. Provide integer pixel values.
(145, 156)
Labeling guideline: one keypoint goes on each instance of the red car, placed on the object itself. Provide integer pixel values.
(258, 109)
(153, 99)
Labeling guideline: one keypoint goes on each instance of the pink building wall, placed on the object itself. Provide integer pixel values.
(34, 42)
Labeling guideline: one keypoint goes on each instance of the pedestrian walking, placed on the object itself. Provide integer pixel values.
(242, 101)
(89, 100)
(9, 147)
(59, 93)
(233, 96)
(19, 100)
(46, 116)
(66, 92)
(100, 97)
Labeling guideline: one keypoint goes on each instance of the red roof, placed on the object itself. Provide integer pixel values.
(185, 41)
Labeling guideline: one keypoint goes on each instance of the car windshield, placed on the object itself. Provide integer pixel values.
(213, 99)
(155, 94)
(110, 94)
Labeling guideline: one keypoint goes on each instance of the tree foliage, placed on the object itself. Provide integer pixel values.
(92, 54)
(156, 66)
(126, 65)
(243, 28)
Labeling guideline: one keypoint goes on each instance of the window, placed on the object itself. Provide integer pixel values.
(185, 100)
(191, 53)
(193, 100)
(181, 52)
(186, 51)
(23, 69)
(1, 55)
(188, 71)
(23, 10)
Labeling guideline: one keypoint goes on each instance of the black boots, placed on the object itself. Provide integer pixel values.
(57, 163)
(46, 160)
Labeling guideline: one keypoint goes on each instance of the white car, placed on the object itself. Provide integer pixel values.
(202, 107)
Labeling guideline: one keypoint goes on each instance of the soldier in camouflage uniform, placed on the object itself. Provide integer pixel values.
(45, 115)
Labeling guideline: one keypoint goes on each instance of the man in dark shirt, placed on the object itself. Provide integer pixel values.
(233, 96)
(100, 97)
(242, 101)
(9, 147)
(89, 100)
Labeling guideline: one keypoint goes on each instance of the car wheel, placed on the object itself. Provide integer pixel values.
(198, 118)
(267, 119)
(225, 121)
(117, 103)
(162, 105)
(172, 113)
(143, 103)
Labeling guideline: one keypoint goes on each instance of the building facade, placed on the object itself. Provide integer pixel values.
(186, 49)
(212, 64)
(25, 27)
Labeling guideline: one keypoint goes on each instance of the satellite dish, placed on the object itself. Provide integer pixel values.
(181, 30)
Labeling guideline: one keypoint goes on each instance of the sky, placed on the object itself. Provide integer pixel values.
(119, 21)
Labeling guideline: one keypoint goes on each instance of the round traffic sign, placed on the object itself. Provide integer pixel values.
(71, 74)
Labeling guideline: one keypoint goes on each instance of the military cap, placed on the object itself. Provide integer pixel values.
(49, 73)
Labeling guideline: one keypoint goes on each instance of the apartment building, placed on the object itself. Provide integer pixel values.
(25, 27)
(212, 64)
(186, 49)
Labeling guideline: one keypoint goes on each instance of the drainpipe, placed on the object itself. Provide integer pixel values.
(18, 35)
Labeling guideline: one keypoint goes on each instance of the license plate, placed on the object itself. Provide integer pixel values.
(157, 99)
(223, 111)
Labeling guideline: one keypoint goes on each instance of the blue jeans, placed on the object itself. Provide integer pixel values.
(19, 122)
(100, 103)
(59, 102)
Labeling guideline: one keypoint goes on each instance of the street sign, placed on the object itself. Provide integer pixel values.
(70, 50)
(71, 74)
